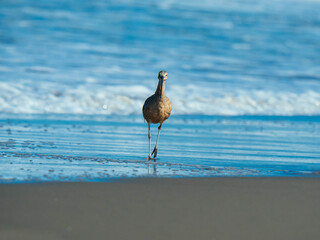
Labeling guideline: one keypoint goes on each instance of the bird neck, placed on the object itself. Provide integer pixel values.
(160, 89)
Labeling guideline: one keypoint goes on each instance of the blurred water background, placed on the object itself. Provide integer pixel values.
(102, 57)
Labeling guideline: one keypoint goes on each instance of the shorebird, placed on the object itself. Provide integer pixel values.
(156, 109)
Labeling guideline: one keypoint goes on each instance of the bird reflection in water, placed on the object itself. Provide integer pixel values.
(152, 169)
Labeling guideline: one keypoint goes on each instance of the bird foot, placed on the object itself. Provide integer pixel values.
(151, 158)
(154, 152)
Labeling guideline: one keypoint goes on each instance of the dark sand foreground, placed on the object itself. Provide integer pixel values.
(212, 208)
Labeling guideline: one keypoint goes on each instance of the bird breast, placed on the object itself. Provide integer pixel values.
(157, 110)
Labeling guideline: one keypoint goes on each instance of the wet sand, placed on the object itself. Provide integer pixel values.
(76, 148)
(189, 208)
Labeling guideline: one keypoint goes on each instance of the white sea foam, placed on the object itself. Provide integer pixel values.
(244, 57)
(125, 100)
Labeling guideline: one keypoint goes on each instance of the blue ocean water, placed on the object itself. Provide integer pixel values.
(243, 79)
(102, 57)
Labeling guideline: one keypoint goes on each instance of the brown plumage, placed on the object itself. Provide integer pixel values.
(156, 109)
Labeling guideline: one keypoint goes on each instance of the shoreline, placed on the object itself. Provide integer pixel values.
(86, 148)
(163, 208)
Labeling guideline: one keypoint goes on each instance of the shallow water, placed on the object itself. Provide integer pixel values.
(100, 148)
(223, 57)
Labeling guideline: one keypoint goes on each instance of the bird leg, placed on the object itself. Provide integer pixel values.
(149, 137)
(155, 150)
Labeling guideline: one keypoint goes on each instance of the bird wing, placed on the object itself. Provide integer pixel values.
(146, 107)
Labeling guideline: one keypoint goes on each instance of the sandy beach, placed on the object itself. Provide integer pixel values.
(192, 208)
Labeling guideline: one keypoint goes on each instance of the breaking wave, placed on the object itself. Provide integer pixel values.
(126, 100)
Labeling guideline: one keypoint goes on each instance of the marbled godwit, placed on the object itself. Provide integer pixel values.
(156, 109)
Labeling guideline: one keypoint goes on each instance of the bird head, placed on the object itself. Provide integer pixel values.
(163, 75)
